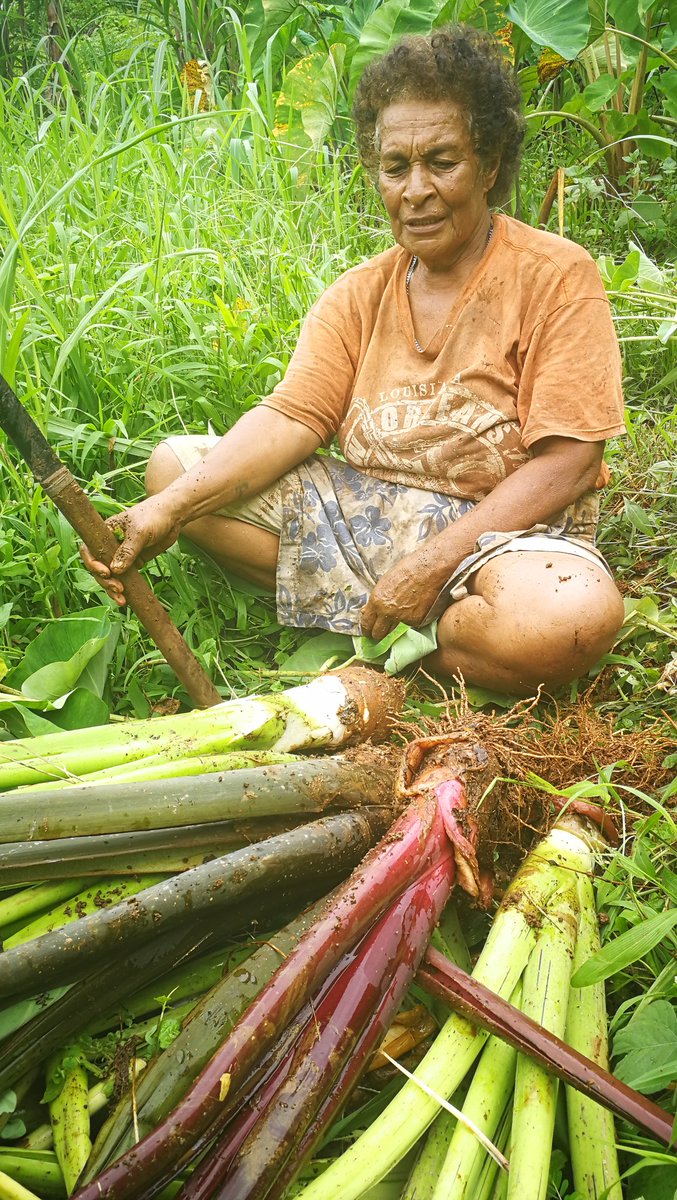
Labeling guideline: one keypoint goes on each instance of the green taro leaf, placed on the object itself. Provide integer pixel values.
(625, 949)
(649, 1046)
(35, 723)
(564, 27)
(367, 650)
(667, 85)
(625, 15)
(82, 709)
(263, 19)
(314, 654)
(390, 22)
(59, 657)
(598, 93)
(598, 19)
(306, 105)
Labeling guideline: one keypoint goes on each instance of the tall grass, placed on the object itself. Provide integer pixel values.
(156, 266)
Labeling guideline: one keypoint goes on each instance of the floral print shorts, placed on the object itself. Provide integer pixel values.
(340, 530)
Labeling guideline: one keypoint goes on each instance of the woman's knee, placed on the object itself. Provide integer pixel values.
(162, 468)
(541, 621)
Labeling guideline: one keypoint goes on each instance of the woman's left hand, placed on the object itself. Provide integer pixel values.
(405, 593)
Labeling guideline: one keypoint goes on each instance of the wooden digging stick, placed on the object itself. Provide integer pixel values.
(62, 487)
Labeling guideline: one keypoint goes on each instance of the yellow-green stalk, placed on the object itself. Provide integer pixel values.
(331, 711)
(426, 1169)
(36, 1170)
(69, 1116)
(485, 1105)
(492, 1182)
(20, 907)
(92, 899)
(167, 766)
(545, 998)
(98, 1097)
(592, 1140)
(11, 1190)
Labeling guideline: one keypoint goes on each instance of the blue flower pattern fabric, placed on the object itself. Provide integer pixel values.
(340, 530)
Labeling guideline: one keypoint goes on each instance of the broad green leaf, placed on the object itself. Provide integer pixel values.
(35, 723)
(317, 651)
(15, 700)
(95, 675)
(648, 134)
(527, 79)
(390, 22)
(83, 708)
(627, 948)
(649, 1045)
(454, 11)
(414, 645)
(5, 610)
(564, 27)
(638, 517)
(666, 83)
(57, 658)
(368, 650)
(377, 36)
(263, 19)
(626, 273)
(598, 93)
(667, 329)
(306, 105)
(653, 1182)
(57, 678)
(598, 19)
(649, 276)
(626, 15)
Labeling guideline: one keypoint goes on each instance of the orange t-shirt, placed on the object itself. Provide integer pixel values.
(527, 351)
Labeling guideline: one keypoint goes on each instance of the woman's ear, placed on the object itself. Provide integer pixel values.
(490, 175)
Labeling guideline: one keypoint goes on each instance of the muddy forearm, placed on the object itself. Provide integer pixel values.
(257, 451)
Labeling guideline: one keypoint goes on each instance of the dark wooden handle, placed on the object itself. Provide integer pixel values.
(62, 487)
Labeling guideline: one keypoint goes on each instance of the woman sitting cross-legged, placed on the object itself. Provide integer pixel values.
(471, 375)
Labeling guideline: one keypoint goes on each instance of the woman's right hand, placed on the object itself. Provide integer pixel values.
(148, 528)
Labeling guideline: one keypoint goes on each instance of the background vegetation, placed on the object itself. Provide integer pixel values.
(163, 230)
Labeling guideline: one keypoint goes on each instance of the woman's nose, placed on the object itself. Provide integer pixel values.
(418, 185)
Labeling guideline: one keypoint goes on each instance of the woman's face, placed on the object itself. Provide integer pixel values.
(431, 181)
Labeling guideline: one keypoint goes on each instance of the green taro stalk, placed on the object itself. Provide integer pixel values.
(332, 711)
(592, 1139)
(545, 999)
(69, 1114)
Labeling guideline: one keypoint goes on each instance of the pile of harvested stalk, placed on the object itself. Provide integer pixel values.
(143, 860)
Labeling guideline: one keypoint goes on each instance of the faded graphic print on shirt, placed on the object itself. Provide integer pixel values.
(451, 439)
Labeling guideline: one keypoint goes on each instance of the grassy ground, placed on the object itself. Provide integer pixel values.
(164, 264)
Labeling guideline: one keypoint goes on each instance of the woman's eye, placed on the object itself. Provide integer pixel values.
(444, 164)
(394, 169)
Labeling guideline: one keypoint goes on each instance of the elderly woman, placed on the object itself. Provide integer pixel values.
(471, 375)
